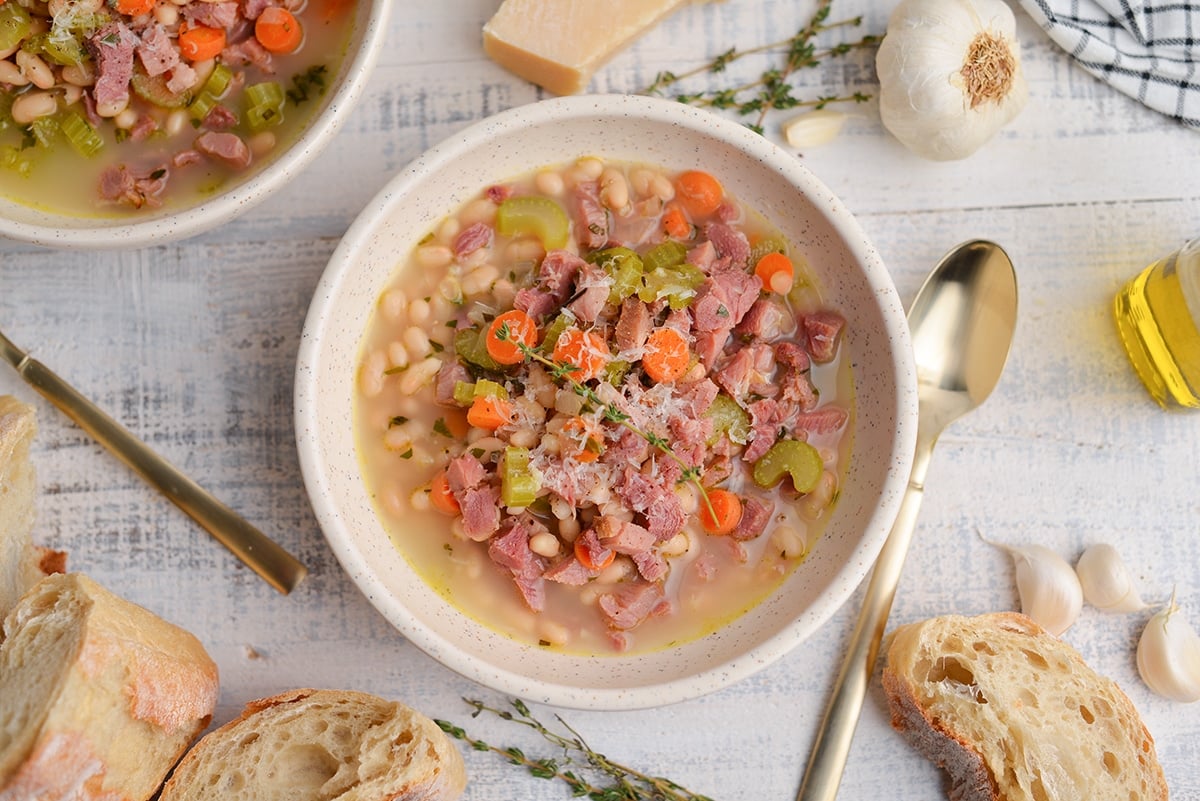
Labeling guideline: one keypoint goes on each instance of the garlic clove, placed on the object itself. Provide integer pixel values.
(814, 128)
(1046, 584)
(1168, 655)
(1106, 582)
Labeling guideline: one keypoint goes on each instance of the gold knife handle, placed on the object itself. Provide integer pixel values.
(266, 558)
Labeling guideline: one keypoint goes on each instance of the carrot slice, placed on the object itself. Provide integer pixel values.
(201, 42)
(667, 356)
(489, 412)
(700, 193)
(440, 495)
(585, 350)
(133, 8)
(674, 224)
(278, 30)
(722, 513)
(776, 272)
(586, 440)
(504, 334)
(585, 557)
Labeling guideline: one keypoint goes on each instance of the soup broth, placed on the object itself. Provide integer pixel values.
(594, 415)
(145, 138)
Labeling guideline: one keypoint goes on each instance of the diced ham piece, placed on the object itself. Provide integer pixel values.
(824, 328)
(558, 479)
(220, 118)
(629, 449)
(650, 565)
(534, 302)
(225, 147)
(633, 603)
(247, 52)
(767, 320)
(472, 238)
(480, 509)
(723, 299)
(697, 396)
(730, 243)
(112, 49)
(749, 372)
(703, 255)
(252, 9)
(591, 220)
(510, 549)
(660, 506)
(755, 515)
(633, 324)
(592, 284)
(598, 552)
(558, 271)
(766, 417)
(156, 50)
(142, 128)
(825, 420)
(570, 570)
(212, 15)
(623, 536)
(498, 193)
(120, 184)
(180, 78)
(465, 472)
(710, 344)
(449, 374)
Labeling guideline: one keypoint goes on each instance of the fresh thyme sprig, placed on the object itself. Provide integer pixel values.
(562, 371)
(617, 782)
(772, 89)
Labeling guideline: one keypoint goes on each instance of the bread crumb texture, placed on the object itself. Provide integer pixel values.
(1012, 712)
(321, 745)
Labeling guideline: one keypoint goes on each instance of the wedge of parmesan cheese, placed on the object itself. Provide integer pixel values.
(559, 44)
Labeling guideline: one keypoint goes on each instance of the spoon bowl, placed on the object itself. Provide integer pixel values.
(962, 323)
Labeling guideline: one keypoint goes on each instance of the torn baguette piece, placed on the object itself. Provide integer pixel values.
(22, 563)
(1012, 712)
(559, 44)
(99, 697)
(313, 745)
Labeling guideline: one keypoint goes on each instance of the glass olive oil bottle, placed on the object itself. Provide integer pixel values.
(1158, 316)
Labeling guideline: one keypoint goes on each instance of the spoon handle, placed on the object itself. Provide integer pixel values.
(278, 567)
(832, 747)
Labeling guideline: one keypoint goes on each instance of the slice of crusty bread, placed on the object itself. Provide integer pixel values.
(21, 563)
(98, 696)
(315, 745)
(1012, 712)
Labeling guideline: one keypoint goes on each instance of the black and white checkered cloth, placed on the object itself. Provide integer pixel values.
(1148, 49)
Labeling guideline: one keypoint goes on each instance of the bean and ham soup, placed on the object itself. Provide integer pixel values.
(108, 106)
(603, 409)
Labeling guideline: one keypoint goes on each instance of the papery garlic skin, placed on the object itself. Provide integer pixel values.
(927, 100)
(1106, 582)
(1168, 655)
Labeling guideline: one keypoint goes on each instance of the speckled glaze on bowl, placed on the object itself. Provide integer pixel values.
(156, 227)
(674, 136)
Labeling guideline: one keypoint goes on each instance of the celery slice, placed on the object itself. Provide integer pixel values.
(154, 90)
(80, 133)
(264, 105)
(562, 322)
(15, 25)
(539, 216)
(212, 91)
(729, 419)
(624, 266)
(664, 255)
(45, 130)
(791, 457)
(518, 483)
(17, 160)
(471, 346)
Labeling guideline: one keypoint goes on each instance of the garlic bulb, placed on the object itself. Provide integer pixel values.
(1168, 655)
(949, 75)
(1105, 580)
(813, 128)
(1047, 586)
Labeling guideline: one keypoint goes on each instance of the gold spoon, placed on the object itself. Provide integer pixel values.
(278, 567)
(962, 324)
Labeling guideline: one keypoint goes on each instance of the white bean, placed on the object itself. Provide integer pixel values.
(480, 279)
(203, 69)
(549, 182)
(788, 542)
(568, 529)
(528, 249)
(544, 544)
(37, 71)
(689, 498)
(126, 119)
(71, 94)
(568, 402)
(553, 633)
(419, 500)
(586, 169)
(166, 14)
(550, 444)
(641, 180)
(561, 509)
(262, 143)
(11, 74)
(78, 74)
(419, 312)
(419, 374)
(662, 187)
(450, 288)
(817, 501)
(434, 257)
(416, 342)
(370, 375)
(448, 230)
(614, 189)
(33, 105)
(397, 355)
(524, 438)
(398, 438)
(480, 210)
(619, 570)
(677, 545)
(112, 108)
(393, 502)
(504, 293)
(392, 304)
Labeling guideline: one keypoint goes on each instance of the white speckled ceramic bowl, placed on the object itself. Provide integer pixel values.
(158, 226)
(674, 136)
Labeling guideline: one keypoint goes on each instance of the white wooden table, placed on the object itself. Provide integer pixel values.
(192, 346)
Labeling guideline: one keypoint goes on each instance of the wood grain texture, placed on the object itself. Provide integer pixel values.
(193, 345)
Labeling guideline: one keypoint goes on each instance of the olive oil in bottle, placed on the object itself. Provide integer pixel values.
(1158, 317)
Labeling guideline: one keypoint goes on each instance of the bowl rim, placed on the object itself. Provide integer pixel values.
(314, 470)
(241, 198)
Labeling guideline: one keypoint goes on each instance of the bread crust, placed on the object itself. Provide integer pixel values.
(101, 697)
(1012, 712)
(321, 744)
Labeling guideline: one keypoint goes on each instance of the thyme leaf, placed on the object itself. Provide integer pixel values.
(772, 89)
(586, 772)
